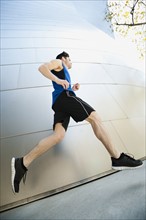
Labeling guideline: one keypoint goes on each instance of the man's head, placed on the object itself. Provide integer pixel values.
(65, 59)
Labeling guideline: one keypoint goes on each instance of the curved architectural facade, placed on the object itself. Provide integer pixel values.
(35, 32)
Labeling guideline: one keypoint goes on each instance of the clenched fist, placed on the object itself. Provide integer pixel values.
(76, 87)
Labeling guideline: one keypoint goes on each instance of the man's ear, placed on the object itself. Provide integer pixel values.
(63, 59)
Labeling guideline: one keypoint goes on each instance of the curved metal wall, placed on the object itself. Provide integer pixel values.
(34, 32)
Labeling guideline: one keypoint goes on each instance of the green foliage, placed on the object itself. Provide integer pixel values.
(128, 18)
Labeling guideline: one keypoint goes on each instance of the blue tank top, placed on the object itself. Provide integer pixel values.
(58, 89)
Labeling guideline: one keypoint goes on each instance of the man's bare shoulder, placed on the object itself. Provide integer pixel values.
(54, 65)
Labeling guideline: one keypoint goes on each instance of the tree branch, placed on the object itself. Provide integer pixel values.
(132, 11)
(142, 23)
(143, 3)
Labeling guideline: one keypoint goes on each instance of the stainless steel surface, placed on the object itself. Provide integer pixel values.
(108, 82)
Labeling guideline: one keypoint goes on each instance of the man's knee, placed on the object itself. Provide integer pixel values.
(94, 117)
(59, 136)
(59, 133)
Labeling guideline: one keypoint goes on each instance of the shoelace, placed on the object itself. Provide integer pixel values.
(129, 156)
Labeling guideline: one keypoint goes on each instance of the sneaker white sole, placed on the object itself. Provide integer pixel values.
(13, 173)
(126, 168)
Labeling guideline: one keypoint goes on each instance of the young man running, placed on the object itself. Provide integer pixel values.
(65, 105)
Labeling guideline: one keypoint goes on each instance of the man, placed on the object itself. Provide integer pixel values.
(65, 105)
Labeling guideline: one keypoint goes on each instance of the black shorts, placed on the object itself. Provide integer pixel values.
(68, 105)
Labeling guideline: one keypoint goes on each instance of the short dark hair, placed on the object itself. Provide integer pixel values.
(63, 54)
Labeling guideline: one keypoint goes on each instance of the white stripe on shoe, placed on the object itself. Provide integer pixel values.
(13, 171)
(126, 168)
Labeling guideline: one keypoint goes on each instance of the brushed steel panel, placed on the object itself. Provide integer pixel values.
(130, 98)
(82, 73)
(9, 43)
(42, 34)
(9, 74)
(77, 55)
(31, 77)
(125, 75)
(33, 112)
(17, 56)
(132, 134)
(46, 42)
(89, 73)
(99, 97)
(26, 111)
(80, 155)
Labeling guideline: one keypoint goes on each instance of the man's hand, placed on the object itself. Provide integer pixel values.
(76, 87)
(63, 83)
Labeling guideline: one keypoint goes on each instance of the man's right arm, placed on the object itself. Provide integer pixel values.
(46, 68)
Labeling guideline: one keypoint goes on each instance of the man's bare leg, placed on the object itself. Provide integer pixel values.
(19, 165)
(44, 145)
(102, 135)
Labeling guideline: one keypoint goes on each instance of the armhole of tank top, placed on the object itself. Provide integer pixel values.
(59, 70)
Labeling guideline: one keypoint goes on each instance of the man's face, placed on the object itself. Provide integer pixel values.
(67, 62)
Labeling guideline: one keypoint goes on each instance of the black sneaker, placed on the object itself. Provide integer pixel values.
(18, 170)
(125, 162)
